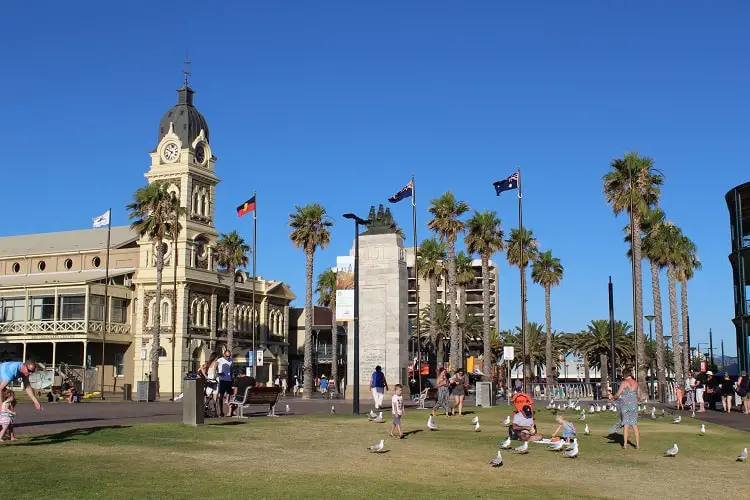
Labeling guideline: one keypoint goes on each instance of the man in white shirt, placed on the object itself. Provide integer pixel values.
(224, 368)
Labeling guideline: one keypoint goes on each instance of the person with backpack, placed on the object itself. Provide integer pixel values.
(378, 386)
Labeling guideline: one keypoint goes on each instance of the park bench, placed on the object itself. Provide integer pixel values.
(427, 394)
(257, 396)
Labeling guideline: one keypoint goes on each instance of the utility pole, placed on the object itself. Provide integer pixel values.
(723, 363)
(711, 345)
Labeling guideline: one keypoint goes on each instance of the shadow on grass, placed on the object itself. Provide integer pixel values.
(54, 422)
(230, 422)
(409, 433)
(65, 436)
(617, 438)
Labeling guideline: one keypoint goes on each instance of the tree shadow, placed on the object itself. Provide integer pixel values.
(65, 436)
(230, 422)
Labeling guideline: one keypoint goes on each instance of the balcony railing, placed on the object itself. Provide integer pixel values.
(61, 327)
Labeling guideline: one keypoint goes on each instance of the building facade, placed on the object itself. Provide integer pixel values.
(322, 344)
(738, 203)
(51, 285)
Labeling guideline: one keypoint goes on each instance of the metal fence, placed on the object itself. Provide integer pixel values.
(582, 390)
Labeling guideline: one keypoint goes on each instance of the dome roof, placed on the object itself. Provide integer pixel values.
(188, 121)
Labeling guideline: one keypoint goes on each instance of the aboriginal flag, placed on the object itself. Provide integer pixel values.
(247, 207)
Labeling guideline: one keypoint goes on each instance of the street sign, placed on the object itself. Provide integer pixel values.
(259, 357)
(508, 353)
(249, 358)
(143, 354)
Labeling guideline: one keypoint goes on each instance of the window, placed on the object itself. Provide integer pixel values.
(41, 265)
(68, 264)
(119, 365)
(42, 309)
(72, 307)
(96, 262)
(11, 309)
(165, 310)
(162, 352)
(96, 308)
(119, 310)
(16, 267)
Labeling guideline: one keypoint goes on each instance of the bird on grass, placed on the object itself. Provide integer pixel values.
(672, 452)
(586, 430)
(677, 419)
(592, 409)
(583, 416)
(476, 427)
(524, 448)
(573, 452)
(742, 457)
(333, 410)
(507, 420)
(703, 429)
(372, 415)
(556, 446)
(431, 424)
(653, 413)
(498, 460)
(475, 420)
(662, 412)
(505, 445)
(377, 447)
(379, 418)
(570, 446)
(288, 409)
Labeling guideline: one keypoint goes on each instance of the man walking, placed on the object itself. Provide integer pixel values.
(224, 369)
(378, 386)
(12, 370)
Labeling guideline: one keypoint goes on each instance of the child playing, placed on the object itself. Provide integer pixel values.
(397, 408)
(7, 414)
(568, 429)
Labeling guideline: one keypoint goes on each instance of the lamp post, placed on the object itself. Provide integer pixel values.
(650, 318)
(357, 222)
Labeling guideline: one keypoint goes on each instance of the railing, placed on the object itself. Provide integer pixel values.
(63, 326)
(582, 390)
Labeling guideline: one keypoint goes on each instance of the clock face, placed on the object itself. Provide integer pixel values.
(200, 153)
(171, 152)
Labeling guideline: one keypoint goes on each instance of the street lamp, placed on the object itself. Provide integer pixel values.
(357, 222)
(650, 318)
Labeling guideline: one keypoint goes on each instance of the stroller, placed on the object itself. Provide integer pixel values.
(520, 402)
(209, 406)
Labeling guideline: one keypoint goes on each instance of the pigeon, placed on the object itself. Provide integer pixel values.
(693, 414)
(586, 430)
(476, 427)
(431, 424)
(379, 418)
(507, 420)
(556, 446)
(475, 419)
(333, 409)
(498, 460)
(742, 457)
(372, 415)
(505, 445)
(573, 452)
(377, 447)
(524, 448)
(703, 429)
(677, 419)
(592, 409)
(583, 416)
(288, 410)
(672, 452)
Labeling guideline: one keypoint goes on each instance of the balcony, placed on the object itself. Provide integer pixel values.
(62, 327)
(324, 351)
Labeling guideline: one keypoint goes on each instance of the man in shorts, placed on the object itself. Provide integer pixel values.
(13, 370)
(224, 374)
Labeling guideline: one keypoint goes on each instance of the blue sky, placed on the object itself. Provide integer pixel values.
(340, 102)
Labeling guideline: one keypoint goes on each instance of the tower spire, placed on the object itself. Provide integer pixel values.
(186, 71)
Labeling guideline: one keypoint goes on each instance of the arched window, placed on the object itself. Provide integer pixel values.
(162, 352)
(165, 312)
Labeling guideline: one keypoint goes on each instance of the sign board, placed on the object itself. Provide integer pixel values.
(259, 357)
(250, 358)
(344, 288)
(509, 353)
(703, 366)
(143, 354)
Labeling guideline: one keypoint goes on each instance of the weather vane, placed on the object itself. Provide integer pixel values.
(186, 71)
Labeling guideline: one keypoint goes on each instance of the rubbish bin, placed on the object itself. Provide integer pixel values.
(127, 392)
(192, 401)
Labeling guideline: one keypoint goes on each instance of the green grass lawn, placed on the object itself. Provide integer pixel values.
(325, 455)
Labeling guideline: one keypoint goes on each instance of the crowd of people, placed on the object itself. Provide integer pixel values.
(706, 390)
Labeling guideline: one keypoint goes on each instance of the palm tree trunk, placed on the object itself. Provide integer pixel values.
(685, 335)
(586, 374)
(307, 368)
(661, 375)
(640, 339)
(486, 351)
(156, 341)
(548, 320)
(455, 354)
(527, 368)
(604, 360)
(433, 334)
(335, 342)
(676, 350)
(230, 323)
(462, 319)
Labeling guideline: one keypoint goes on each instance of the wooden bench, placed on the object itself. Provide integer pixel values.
(256, 396)
(427, 394)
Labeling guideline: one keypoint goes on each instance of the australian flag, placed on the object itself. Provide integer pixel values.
(406, 192)
(506, 185)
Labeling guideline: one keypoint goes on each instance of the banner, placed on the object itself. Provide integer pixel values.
(344, 288)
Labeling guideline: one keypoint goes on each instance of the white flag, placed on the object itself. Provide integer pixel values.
(102, 220)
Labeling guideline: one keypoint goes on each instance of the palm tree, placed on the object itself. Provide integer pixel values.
(688, 264)
(485, 237)
(594, 343)
(326, 291)
(536, 344)
(548, 272)
(446, 212)
(232, 253)
(632, 186)
(513, 249)
(577, 348)
(674, 243)
(464, 276)
(310, 230)
(431, 256)
(436, 326)
(155, 212)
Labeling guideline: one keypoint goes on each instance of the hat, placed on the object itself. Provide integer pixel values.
(709, 372)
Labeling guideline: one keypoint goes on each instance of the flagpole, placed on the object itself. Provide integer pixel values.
(523, 279)
(416, 279)
(106, 298)
(255, 253)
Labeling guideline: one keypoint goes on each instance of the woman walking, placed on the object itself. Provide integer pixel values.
(443, 394)
(727, 393)
(460, 384)
(629, 394)
(742, 386)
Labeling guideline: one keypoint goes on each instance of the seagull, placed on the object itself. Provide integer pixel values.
(672, 452)
(614, 409)
(507, 420)
(498, 460)
(570, 446)
(703, 429)
(524, 448)
(333, 409)
(677, 419)
(475, 420)
(573, 452)
(591, 409)
(742, 457)
(578, 407)
(377, 447)
(598, 408)
(653, 413)
(379, 418)
(431, 424)
(288, 410)
(586, 430)
(556, 446)
(476, 427)
(505, 445)
(615, 428)
(372, 415)
(662, 412)
(583, 416)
